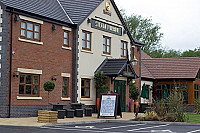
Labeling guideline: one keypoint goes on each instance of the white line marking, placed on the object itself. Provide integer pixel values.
(193, 131)
(122, 126)
(79, 130)
(147, 128)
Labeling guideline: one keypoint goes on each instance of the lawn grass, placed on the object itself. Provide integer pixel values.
(193, 118)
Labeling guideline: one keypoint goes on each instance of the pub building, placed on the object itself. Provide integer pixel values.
(180, 74)
(105, 44)
(66, 42)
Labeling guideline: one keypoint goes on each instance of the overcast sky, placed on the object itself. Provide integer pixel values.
(179, 19)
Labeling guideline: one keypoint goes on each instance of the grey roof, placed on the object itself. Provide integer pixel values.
(79, 10)
(47, 8)
(115, 67)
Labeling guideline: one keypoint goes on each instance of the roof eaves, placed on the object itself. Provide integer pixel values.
(102, 64)
(65, 12)
(148, 70)
(122, 67)
(124, 24)
(90, 13)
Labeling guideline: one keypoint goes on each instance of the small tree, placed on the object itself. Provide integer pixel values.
(49, 86)
(133, 91)
(100, 83)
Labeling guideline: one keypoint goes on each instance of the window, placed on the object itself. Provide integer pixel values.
(29, 85)
(123, 49)
(148, 88)
(159, 92)
(66, 39)
(30, 31)
(86, 40)
(106, 44)
(85, 88)
(184, 93)
(196, 91)
(65, 87)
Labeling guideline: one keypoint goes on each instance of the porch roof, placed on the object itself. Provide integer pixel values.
(115, 68)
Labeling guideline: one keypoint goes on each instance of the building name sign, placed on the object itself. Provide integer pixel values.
(106, 27)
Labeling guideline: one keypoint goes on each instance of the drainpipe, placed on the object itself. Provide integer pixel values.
(10, 65)
(140, 71)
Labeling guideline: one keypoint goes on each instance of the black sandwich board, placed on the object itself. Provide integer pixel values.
(109, 106)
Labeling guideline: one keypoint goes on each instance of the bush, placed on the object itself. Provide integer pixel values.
(197, 106)
(133, 91)
(49, 86)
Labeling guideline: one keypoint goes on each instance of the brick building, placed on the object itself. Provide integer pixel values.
(42, 40)
(36, 46)
(181, 74)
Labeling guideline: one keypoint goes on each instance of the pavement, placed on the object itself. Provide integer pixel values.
(32, 121)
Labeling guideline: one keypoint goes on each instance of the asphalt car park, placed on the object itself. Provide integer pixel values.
(126, 127)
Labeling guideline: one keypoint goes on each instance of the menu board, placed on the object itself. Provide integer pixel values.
(108, 103)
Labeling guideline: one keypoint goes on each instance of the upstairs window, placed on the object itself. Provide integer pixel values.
(106, 45)
(66, 39)
(123, 49)
(86, 40)
(30, 31)
(29, 85)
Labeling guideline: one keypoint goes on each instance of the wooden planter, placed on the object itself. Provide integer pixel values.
(45, 116)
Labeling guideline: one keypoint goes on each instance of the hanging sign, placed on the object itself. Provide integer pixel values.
(106, 27)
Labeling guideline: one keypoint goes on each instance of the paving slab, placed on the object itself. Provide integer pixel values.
(32, 121)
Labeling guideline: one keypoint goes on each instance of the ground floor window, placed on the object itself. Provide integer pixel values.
(196, 91)
(182, 88)
(85, 88)
(65, 87)
(29, 84)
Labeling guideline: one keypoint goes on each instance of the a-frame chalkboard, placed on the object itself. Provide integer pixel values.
(109, 106)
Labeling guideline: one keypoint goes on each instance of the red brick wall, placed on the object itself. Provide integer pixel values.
(49, 57)
(137, 67)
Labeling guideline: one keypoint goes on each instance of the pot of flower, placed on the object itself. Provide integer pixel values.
(46, 116)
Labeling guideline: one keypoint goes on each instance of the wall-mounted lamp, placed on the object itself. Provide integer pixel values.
(54, 27)
(15, 74)
(134, 61)
(54, 78)
(88, 20)
(16, 18)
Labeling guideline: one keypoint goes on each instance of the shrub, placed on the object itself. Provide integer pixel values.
(197, 106)
(133, 91)
(49, 86)
(100, 83)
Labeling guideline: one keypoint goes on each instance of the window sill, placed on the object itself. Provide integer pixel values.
(86, 51)
(65, 99)
(28, 98)
(107, 55)
(30, 41)
(86, 99)
(67, 48)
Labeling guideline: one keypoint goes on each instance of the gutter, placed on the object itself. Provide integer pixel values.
(10, 64)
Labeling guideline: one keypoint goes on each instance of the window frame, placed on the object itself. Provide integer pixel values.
(86, 41)
(106, 45)
(196, 91)
(85, 87)
(66, 45)
(123, 48)
(32, 84)
(65, 86)
(33, 31)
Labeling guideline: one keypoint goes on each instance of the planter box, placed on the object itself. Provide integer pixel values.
(70, 113)
(45, 116)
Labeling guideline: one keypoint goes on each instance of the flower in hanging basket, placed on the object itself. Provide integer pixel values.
(49, 86)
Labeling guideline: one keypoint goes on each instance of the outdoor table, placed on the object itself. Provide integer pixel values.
(58, 106)
(76, 105)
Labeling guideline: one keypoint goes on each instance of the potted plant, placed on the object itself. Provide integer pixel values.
(133, 94)
(100, 85)
(46, 116)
